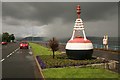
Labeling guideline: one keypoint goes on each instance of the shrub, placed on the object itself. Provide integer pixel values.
(62, 61)
(53, 43)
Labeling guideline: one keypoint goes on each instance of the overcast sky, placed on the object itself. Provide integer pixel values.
(52, 19)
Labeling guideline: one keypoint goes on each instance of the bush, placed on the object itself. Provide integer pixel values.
(61, 60)
(54, 45)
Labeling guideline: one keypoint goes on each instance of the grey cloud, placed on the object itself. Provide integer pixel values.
(57, 19)
(45, 12)
(20, 22)
(0, 17)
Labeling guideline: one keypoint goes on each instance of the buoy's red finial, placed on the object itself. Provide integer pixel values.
(78, 11)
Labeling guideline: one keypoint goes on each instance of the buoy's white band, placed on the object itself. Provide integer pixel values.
(79, 46)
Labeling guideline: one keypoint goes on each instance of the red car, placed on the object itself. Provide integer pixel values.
(24, 45)
(4, 43)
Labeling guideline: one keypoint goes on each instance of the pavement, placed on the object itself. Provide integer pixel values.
(107, 55)
(18, 63)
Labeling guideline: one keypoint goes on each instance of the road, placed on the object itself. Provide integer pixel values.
(18, 63)
(106, 54)
(0, 62)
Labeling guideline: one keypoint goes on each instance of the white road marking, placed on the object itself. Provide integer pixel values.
(16, 49)
(10, 54)
(30, 53)
(2, 60)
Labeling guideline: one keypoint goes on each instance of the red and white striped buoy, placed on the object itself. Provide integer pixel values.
(79, 47)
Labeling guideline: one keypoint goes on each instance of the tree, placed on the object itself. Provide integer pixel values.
(5, 37)
(12, 37)
(54, 45)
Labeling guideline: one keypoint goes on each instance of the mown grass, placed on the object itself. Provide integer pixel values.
(40, 50)
(73, 72)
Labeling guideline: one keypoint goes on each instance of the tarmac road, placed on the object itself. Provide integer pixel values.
(106, 55)
(0, 62)
(18, 63)
(9, 48)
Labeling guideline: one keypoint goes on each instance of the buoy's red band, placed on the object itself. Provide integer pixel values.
(79, 40)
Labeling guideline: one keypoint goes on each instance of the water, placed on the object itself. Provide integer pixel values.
(111, 47)
(112, 43)
(98, 42)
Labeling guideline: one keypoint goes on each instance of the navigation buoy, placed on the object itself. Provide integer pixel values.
(79, 47)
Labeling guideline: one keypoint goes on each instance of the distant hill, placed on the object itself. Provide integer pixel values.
(94, 40)
(35, 39)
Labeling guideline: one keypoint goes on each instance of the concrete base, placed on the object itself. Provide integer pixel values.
(79, 54)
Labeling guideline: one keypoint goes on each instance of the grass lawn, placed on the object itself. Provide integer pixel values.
(40, 50)
(72, 72)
